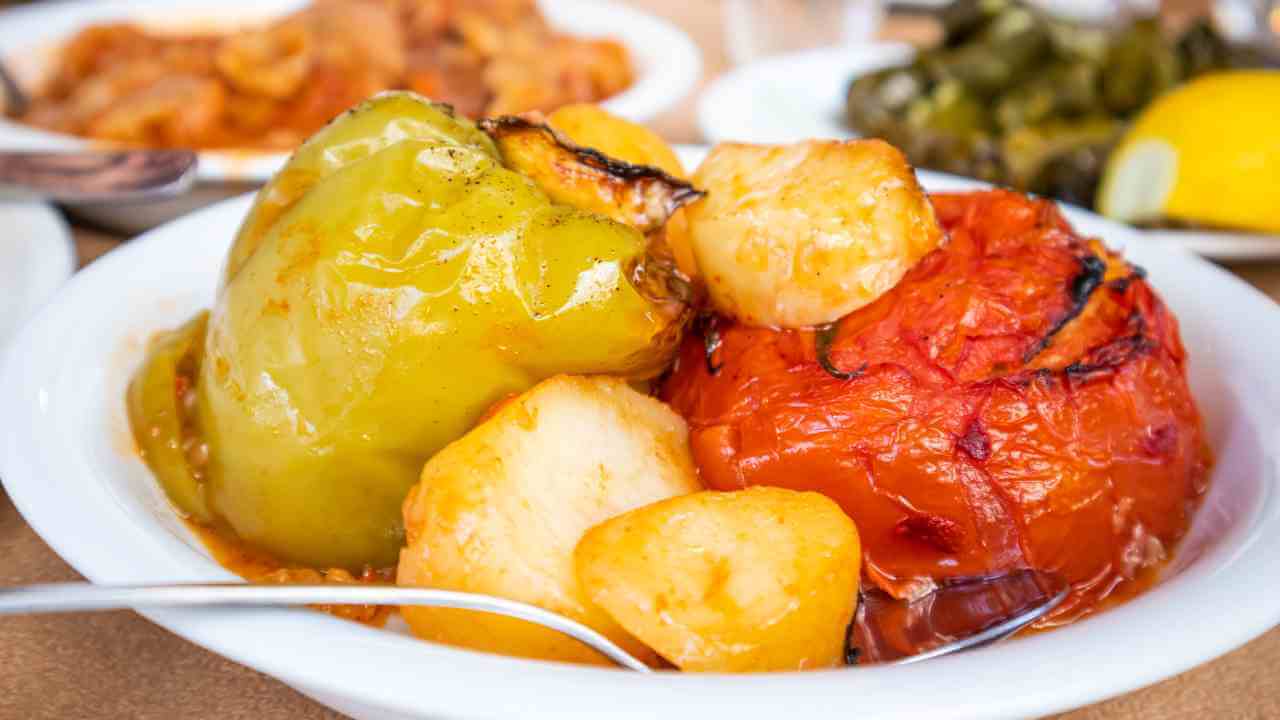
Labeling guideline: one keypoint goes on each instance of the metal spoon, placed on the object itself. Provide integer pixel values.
(74, 597)
(95, 177)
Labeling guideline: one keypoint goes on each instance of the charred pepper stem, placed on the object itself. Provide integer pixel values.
(823, 337)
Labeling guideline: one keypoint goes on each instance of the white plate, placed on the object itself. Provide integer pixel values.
(794, 97)
(668, 64)
(36, 258)
(68, 465)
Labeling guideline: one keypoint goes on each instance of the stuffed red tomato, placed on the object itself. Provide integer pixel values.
(1018, 400)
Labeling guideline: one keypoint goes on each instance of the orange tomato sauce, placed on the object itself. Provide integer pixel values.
(258, 566)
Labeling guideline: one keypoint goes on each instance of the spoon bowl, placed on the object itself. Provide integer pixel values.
(91, 177)
(960, 614)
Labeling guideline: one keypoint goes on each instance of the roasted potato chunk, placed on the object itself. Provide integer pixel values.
(501, 510)
(754, 580)
(801, 235)
(641, 196)
(591, 126)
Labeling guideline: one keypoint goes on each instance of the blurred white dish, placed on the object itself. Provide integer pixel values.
(69, 466)
(791, 97)
(758, 28)
(668, 64)
(795, 97)
(36, 258)
(1220, 244)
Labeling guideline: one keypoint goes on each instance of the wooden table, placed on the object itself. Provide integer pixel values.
(117, 665)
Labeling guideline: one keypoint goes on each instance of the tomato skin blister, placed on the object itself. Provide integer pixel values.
(1018, 400)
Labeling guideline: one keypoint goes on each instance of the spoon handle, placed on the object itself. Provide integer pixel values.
(74, 597)
(97, 177)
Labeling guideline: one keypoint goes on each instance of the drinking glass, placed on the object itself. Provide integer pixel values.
(1251, 21)
(758, 28)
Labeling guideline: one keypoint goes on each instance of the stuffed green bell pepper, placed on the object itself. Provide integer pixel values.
(396, 279)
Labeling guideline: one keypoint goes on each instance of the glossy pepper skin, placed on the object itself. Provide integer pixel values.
(1018, 400)
(393, 282)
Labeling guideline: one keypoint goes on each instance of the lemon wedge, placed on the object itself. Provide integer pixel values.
(1207, 152)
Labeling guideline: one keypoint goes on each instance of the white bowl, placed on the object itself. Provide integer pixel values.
(668, 64)
(68, 464)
